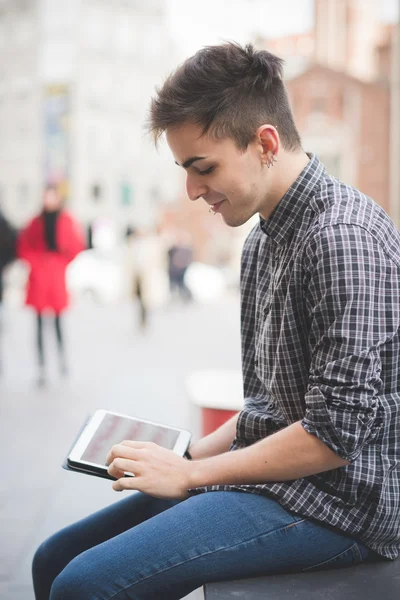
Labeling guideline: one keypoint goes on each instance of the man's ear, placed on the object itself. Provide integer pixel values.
(268, 142)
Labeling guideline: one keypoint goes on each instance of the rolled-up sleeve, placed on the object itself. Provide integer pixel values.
(352, 296)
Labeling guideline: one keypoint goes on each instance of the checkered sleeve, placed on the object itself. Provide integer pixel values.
(352, 297)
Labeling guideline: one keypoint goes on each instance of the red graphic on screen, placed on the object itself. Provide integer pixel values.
(115, 429)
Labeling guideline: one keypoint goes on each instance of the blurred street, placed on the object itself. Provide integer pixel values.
(112, 365)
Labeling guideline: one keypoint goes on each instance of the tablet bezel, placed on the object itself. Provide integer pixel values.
(75, 461)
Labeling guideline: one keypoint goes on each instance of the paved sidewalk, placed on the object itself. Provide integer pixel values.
(112, 366)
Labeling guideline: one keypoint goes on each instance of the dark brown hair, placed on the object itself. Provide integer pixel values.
(229, 91)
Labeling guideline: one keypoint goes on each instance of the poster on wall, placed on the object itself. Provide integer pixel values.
(56, 137)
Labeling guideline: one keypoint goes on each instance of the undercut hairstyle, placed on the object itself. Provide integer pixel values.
(229, 91)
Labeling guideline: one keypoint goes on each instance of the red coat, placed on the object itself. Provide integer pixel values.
(46, 286)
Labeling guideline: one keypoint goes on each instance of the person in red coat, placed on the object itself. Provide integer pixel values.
(48, 244)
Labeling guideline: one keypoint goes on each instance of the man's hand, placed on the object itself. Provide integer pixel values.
(158, 472)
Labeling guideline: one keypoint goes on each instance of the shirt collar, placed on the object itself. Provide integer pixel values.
(290, 209)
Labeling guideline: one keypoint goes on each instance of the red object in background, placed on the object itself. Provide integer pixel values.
(214, 418)
(46, 285)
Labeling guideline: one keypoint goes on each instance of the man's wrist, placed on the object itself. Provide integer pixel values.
(194, 474)
(213, 470)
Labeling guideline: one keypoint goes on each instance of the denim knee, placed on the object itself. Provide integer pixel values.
(70, 584)
(40, 559)
(45, 568)
(45, 558)
(80, 580)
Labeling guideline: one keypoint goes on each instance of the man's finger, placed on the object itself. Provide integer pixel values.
(127, 483)
(119, 466)
(122, 451)
(138, 445)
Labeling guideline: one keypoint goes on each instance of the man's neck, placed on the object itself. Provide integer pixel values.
(285, 172)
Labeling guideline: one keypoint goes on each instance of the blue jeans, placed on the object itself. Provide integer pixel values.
(143, 547)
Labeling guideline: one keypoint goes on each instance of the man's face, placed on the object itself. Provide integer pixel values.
(231, 181)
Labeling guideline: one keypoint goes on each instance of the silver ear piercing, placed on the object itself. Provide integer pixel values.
(272, 161)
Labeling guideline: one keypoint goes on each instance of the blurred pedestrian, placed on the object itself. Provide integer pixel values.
(146, 271)
(49, 243)
(8, 237)
(180, 256)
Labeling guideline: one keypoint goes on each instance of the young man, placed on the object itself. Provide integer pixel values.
(307, 475)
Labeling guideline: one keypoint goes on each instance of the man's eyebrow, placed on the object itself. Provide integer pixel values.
(190, 161)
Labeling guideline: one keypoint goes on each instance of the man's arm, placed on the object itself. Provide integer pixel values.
(217, 442)
(289, 454)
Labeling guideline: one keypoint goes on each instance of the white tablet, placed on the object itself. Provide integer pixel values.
(105, 429)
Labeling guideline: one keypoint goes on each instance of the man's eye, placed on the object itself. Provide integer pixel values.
(207, 171)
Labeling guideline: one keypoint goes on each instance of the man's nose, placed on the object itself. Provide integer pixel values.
(195, 189)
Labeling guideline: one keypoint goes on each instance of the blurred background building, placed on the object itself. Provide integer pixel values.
(75, 82)
(343, 80)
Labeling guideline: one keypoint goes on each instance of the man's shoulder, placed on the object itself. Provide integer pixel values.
(340, 206)
(336, 202)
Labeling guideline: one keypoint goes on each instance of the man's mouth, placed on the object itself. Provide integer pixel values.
(215, 207)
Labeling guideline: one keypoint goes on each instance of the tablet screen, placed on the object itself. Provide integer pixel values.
(113, 429)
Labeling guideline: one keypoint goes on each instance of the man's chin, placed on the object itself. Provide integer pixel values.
(234, 220)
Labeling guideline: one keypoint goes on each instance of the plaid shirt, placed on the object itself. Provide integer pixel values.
(320, 287)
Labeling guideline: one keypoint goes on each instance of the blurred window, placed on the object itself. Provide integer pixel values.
(126, 194)
(155, 195)
(97, 193)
